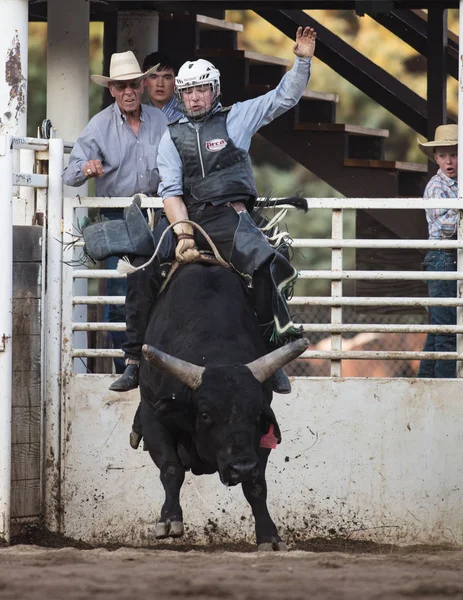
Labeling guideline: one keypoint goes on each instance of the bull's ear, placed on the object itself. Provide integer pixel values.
(190, 374)
(267, 418)
(265, 366)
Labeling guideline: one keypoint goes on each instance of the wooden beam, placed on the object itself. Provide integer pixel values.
(437, 69)
(356, 68)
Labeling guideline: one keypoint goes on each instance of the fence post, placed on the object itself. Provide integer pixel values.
(336, 289)
(460, 191)
(6, 330)
(53, 338)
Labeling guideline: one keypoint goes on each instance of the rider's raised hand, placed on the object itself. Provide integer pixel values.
(304, 46)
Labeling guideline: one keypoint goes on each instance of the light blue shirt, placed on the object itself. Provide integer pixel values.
(129, 160)
(243, 121)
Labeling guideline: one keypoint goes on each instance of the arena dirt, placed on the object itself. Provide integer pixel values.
(322, 570)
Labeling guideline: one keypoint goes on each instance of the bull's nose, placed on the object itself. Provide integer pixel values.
(243, 471)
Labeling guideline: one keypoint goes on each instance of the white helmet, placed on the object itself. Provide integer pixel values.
(194, 73)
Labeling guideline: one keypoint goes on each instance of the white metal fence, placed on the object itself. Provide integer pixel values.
(336, 275)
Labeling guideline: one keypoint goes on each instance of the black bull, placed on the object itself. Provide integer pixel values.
(206, 392)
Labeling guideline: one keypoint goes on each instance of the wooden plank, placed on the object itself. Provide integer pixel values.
(25, 461)
(385, 164)
(453, 37)
(343, 128)
(26, 424)
(253, 57)
(208, 23)
(26, 316)
(27, 280)
(257, 90)
(26, 388)
(25, 498)
(26, 352)
(27, 243)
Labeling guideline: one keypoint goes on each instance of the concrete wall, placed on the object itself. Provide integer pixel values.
(372, 459)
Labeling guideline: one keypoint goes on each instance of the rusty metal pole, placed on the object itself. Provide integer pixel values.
(13, 81)
(13, 95)
(13, 121)
(6, 332)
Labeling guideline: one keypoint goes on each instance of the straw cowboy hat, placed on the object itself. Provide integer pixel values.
(445, 135)
(124, 66)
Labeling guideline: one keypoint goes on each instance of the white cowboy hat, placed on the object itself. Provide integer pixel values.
(124, 66)
(445, 135)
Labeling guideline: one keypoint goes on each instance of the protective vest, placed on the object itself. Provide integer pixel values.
(214, 169)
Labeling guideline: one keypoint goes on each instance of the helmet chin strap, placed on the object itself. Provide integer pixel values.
(199, 115)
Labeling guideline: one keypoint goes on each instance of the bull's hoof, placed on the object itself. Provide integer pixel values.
(176, 529)
(134, 439)
(164, 530)
(273, 546)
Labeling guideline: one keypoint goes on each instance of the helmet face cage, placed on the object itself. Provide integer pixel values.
(193, 74)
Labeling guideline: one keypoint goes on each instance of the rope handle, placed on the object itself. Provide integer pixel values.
(124, 267)
(185, 236)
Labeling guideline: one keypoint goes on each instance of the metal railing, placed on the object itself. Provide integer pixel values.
(336, 275)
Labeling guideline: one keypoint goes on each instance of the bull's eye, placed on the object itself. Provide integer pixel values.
(205, 418)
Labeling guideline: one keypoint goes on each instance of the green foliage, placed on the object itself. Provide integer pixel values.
(37, 73)
(37, 77)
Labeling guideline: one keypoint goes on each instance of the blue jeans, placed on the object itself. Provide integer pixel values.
(438, 260)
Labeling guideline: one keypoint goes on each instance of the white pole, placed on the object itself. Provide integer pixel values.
(13, 50)
(68, 80)
(13, 83)
(460, 186)
(137, 31)
(6, 331)
(53, 349)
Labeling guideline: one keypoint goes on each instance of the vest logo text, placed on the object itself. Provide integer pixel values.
(215, 145)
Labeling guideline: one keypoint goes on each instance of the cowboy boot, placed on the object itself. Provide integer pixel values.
(128, 380)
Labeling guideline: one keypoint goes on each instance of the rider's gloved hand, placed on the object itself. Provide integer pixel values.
(186, 250)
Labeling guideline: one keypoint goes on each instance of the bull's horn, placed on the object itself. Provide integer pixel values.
(190, 374)
(265, 366)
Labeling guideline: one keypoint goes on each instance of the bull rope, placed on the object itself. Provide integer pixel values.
(124, 267)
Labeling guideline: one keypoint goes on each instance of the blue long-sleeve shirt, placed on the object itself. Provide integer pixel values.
(243, 121)
(129, 160)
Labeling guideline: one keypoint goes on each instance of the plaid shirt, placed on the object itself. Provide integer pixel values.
(442, 223)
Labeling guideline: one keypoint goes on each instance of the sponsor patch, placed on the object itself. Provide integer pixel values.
(215, 145)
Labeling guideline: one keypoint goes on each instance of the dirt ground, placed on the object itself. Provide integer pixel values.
(321, 570)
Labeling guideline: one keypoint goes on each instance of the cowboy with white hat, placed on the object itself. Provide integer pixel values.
(442, 225)
(123, 67)
(119, 149)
